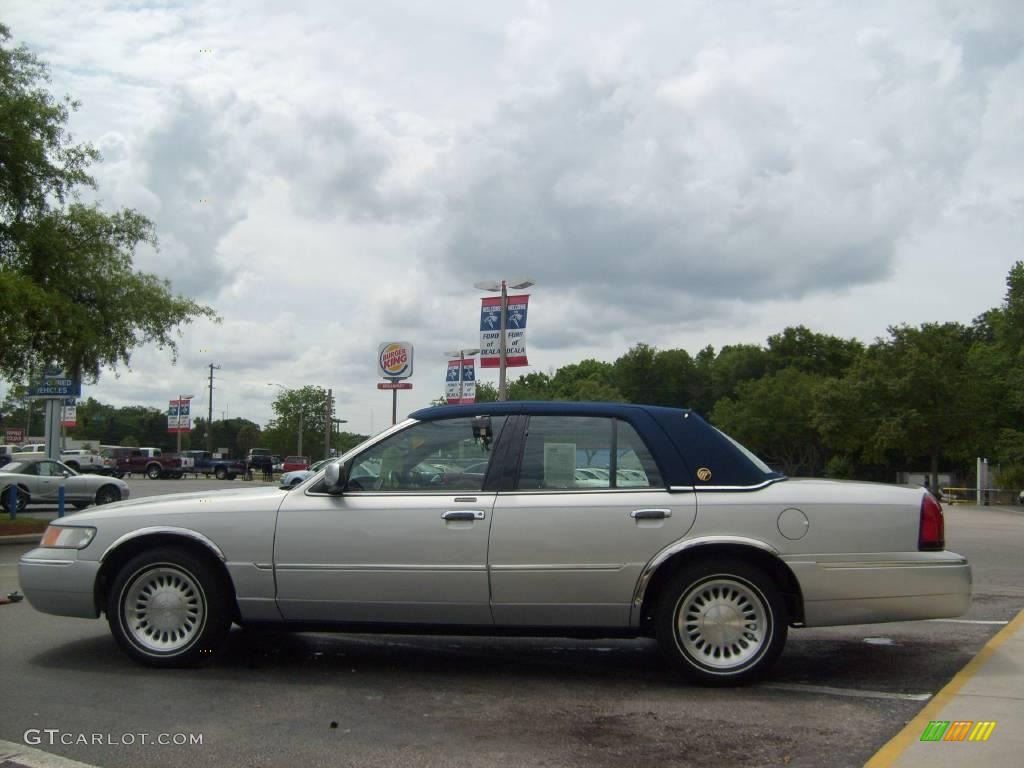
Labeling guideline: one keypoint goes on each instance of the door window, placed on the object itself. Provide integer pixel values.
(444, 455)
(584, 453)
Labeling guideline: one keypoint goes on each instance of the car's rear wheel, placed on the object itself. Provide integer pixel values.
(168, 608)
(220, 473)
(721, 622)
(153, 472)
(108, 494)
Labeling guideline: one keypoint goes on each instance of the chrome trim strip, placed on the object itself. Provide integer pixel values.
(375, 567)
(561, 567)
(739, 488)
(43, 561)
(563, 491)
(206, 542)
(681, 489)
(682, 546)
(262, 566)
(890, 564)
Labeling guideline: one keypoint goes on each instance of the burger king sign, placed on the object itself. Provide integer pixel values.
(394, 360)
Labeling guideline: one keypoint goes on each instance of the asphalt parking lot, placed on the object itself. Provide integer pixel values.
(836, 696)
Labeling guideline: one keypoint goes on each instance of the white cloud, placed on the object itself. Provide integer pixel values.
(679, 173)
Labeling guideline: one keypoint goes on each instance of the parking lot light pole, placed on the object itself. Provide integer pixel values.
(462, 353)
(491, 286)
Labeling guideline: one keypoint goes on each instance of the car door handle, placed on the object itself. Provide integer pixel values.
(650, 514)
(463, 514)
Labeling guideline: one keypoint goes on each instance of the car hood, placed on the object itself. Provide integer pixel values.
(254, 499)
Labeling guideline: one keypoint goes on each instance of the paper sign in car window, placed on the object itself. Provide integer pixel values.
(559, 465)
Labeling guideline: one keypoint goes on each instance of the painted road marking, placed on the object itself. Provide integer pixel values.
(910, 734)
(851, 692)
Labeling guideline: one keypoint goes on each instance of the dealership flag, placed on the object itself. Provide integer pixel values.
(515, 332)
(451, 384)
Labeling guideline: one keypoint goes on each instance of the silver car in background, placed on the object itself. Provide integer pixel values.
(38, 481)
(571, 519)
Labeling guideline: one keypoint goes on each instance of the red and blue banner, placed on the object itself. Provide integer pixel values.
(515, 332)
(460, 391)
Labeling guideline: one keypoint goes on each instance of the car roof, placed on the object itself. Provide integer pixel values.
(560, 407)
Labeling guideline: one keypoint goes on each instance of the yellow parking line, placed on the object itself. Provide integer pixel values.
(911, 733)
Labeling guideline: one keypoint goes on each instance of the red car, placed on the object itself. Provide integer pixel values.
(295, 463)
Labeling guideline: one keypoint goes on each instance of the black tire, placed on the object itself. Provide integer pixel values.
(220, 473)
(20, 504)
(697, 617)
(193, 603)
(153, 472)
(232, 476)
(80, 504)
(74, 465)
(108, 494)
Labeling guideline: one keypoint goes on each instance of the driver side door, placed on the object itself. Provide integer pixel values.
(406, 542)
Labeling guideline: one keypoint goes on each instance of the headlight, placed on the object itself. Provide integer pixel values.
(67, 537)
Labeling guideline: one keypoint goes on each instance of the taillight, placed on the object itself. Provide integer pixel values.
(932, 533)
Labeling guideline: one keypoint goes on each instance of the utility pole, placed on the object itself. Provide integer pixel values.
(209, 417)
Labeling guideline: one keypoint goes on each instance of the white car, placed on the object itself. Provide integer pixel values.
(296, 476)
(38, 481)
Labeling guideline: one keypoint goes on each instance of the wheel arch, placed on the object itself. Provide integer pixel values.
(662, 568)
(130, 545)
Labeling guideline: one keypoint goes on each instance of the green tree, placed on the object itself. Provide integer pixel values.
(300, 410)
(772, 417)
(71, 294)
(736, 363)
(911, 395)
(811, 352)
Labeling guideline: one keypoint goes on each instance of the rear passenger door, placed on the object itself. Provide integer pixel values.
(588, 510)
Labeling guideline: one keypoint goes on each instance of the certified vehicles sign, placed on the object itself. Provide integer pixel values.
(394, 360)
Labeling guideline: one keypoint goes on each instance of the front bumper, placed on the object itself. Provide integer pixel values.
(56, 581)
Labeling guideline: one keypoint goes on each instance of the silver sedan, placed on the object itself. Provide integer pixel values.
(38, 481)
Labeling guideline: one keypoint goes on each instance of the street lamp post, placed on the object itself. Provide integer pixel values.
(491, 286)
(462, 353)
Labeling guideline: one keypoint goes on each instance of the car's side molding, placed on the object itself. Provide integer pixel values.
(681, 546)
(164, 529)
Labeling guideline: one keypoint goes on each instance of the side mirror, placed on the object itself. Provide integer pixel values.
(335, 477)
(65, 473)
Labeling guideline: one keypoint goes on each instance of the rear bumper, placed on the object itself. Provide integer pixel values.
(56, 581)
(854, 589)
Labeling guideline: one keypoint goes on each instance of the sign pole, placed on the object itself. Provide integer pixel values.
(394, 407)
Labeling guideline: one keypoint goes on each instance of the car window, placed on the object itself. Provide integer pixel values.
(585, 453)
(48, 469)
(443, 455)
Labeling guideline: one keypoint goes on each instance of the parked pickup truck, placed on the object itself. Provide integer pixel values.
(207, 464)
(82, 460)
(154, 464)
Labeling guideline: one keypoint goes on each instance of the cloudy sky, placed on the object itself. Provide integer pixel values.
(679, 173)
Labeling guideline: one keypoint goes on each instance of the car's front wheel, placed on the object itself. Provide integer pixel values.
(220, 473)
(168, 608)
(108, 494)
(722, 622)
(20, 503)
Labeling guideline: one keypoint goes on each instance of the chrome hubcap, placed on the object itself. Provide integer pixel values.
(164, 609)
(722, 623)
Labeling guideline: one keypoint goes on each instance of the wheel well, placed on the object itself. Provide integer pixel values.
(116, 559)
(787, 583)
(108, 485)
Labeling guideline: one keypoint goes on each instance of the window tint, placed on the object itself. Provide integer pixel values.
(582, 452)
(443, 455)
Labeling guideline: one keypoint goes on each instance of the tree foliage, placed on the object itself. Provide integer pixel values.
(72, 296)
